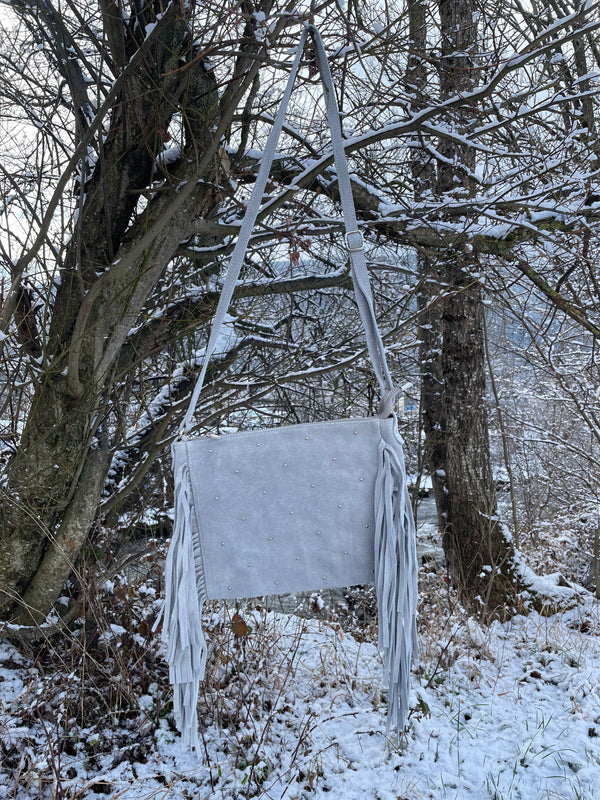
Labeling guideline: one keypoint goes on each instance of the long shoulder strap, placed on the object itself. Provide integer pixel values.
(354, 239)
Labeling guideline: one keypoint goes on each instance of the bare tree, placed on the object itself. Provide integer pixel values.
(466, 168)
(131, 134)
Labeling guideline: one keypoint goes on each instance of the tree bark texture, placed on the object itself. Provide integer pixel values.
(480, 556)
(479, 553)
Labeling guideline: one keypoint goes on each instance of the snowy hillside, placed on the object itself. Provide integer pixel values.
(293, 707)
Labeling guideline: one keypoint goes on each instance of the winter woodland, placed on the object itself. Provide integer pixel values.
(131, 135)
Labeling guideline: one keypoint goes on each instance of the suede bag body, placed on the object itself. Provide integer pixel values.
(287, 509)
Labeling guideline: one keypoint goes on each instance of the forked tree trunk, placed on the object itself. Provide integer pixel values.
(110, 268)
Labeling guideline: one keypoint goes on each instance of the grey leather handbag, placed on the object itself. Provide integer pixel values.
(294, 508)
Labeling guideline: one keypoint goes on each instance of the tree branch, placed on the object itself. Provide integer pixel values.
(190, 313)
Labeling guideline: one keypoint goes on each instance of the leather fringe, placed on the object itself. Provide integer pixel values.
(182, 626)
(395, 582)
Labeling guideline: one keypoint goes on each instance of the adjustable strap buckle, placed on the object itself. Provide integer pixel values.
(354, 244)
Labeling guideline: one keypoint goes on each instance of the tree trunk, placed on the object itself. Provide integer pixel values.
(479, 554)
(45, 476)
(432, 385)
(428, 296)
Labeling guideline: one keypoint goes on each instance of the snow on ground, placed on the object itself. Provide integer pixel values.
(295, 709)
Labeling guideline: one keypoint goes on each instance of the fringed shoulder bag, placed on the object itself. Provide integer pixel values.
(294, 508)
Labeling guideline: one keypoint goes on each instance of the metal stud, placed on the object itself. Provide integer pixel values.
(356, 433)
(237, 471)
(334, 459)
(229, 587)
(244, 519)
(318, 533)
(345, 552)
(361, 479)
(366, 525)
(324, 577)
(258, 444)
(277, 583)
(307, 437)
(291, 513)
(249, 563)
(222, 544)
(264, 491)
(285, 465)
(270, 538)
(297, 558)
(372, 571)
(210, 451)
(339, 505)
(312, 486)
(216, 498)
